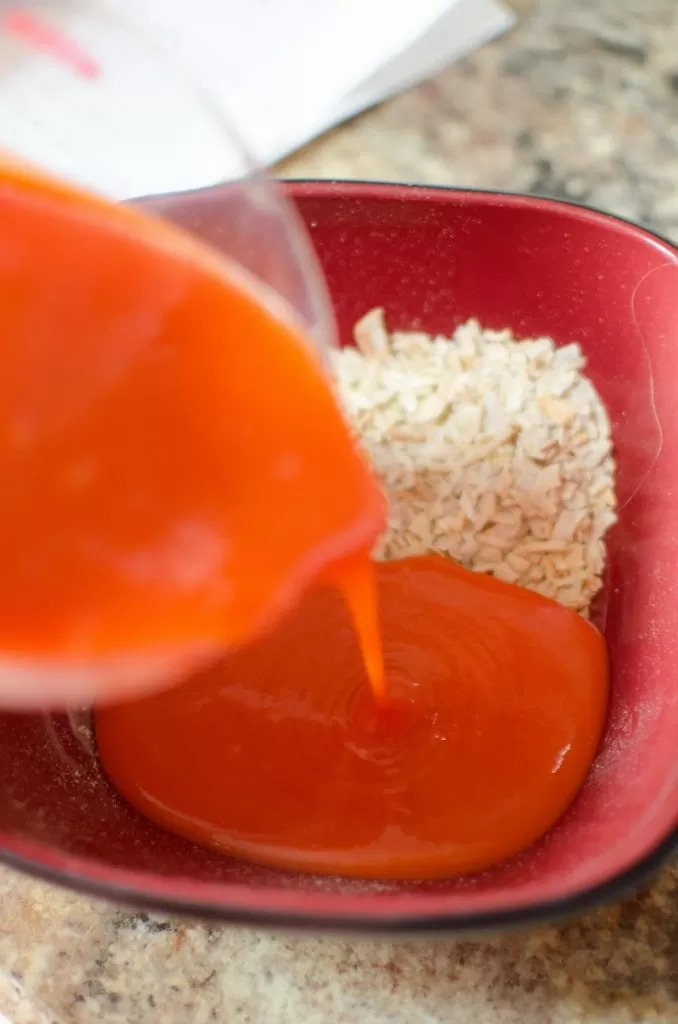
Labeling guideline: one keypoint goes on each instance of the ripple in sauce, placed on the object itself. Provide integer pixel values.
(279, 754)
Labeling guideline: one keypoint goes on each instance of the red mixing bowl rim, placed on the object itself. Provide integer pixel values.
(271, 908)
(386, 913)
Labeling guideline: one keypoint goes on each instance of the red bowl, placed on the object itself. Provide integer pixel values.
(433, 258)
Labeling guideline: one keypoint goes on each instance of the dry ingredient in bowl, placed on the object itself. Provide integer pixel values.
(493, 451)
(498, 454)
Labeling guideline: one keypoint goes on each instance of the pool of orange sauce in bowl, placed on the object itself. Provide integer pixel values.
(279, 754)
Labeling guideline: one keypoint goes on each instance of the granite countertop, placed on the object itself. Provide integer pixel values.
(580, 101)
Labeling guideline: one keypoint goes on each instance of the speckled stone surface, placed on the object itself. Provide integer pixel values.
(580, 101)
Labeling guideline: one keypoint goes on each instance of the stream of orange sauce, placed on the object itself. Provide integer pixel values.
(175, 470)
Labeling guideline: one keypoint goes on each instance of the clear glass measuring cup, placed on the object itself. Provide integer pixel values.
(90, 97)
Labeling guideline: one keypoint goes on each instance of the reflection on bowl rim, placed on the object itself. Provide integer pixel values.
(240, 904)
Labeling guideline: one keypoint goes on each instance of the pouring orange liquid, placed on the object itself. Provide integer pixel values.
(176, 473)
(173, 464)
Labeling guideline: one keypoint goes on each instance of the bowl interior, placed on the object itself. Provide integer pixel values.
(434, 258)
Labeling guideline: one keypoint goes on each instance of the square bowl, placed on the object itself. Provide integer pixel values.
(434, 258)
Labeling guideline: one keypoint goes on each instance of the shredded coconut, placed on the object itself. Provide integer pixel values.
(494, 451)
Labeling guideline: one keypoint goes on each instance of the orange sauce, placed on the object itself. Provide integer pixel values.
(173, 463)
(279, 755)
